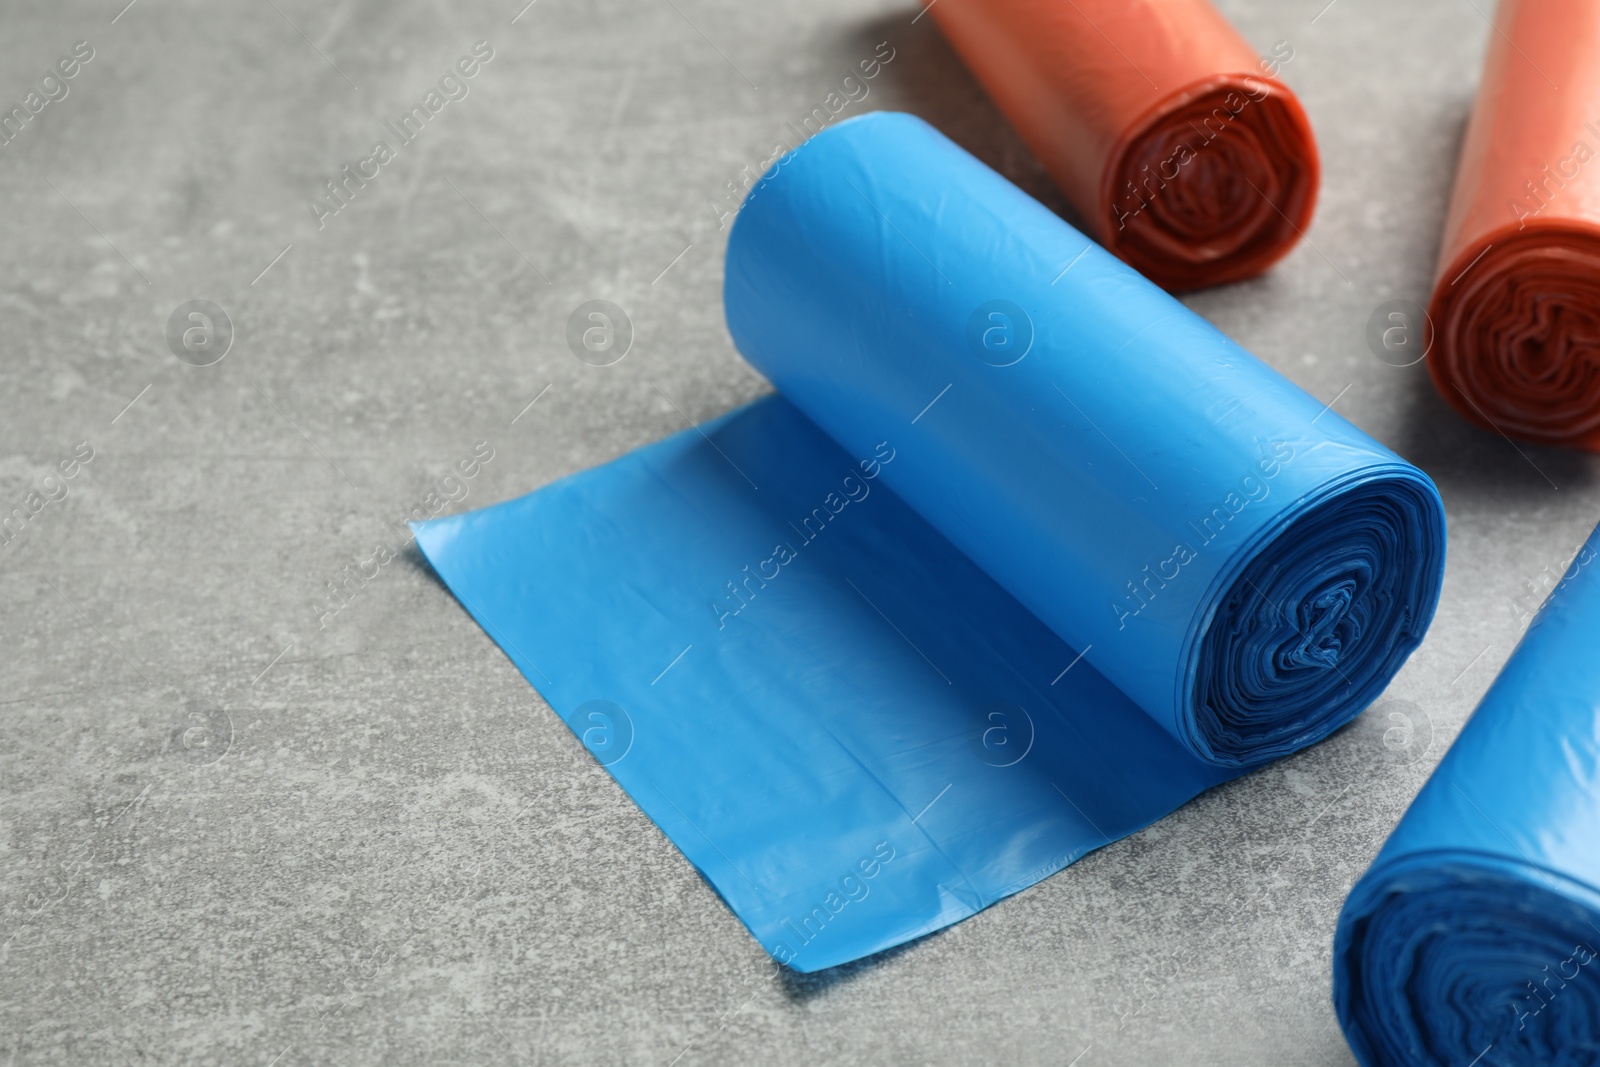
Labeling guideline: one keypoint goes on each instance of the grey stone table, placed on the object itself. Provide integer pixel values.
(245, 822)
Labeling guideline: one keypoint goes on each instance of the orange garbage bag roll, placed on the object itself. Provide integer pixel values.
(1516, 300)
(1179, 146)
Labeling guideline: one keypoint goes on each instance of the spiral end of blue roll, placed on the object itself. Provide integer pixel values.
(1315, 624)
(1469, 961)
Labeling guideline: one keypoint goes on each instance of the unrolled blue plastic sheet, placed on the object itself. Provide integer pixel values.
(1023, 556)
(1473, 938)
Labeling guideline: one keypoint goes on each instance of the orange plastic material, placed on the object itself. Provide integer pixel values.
(1182, 151)
(1516, 301)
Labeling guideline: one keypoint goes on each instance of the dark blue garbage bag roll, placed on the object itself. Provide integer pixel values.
(1023, 556)
(1473, 937)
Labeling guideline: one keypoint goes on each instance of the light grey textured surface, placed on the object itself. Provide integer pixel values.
(401, 855)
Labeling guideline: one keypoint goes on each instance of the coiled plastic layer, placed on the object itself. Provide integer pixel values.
(1317, 623)
(1517, 337)
(1473, 936)
(1217, 187)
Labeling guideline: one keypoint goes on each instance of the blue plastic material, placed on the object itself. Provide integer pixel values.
(1473, 936)
(1025, 555)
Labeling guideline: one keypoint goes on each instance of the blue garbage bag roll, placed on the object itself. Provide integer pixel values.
(1472, 938)
(1022, 557)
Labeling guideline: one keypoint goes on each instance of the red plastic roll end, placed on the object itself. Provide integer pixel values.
(1516, 320)
(1214, 185)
